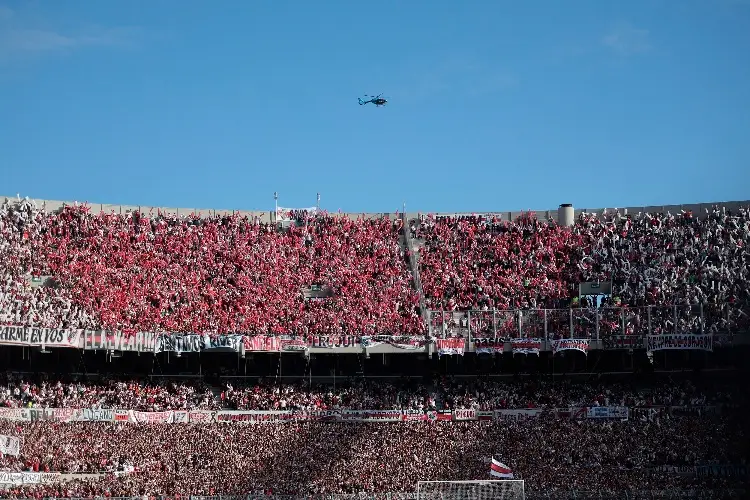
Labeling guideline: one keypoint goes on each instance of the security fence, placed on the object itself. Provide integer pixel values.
(592, 322)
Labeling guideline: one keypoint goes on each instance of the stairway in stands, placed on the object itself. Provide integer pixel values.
(410, 247)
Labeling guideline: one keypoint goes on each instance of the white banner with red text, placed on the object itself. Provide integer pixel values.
(449, 347)
(580, 345)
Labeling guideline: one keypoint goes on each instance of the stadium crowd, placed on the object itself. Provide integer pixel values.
(444, 394)
(160, 273)
(215, 275)
(315, 457)
(663, 260)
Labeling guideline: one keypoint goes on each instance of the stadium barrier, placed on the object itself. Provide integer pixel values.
(280, 416)
(686, 327)
(593, 322)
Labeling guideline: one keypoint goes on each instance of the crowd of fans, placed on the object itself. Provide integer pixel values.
(356, 394)
(652, 259)
(229, 274)
(17, 391)
(217, 275)
(317, 458)
(688, 269)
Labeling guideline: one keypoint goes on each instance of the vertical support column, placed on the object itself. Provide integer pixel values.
(494, 322)
(468, 319)
(596, 311)
(728, 318)
(519, 320)
(570, 322)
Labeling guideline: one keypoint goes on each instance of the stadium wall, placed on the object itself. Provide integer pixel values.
(699, 209)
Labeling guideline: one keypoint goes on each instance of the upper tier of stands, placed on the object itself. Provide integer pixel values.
(229, 273)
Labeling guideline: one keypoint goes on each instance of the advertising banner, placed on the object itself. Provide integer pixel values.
(581, 345)
(680, 342)
(37, 337)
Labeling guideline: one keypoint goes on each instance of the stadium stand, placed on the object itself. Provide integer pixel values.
(206, 297)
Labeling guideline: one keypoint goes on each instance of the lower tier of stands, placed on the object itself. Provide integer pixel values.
(327, 457)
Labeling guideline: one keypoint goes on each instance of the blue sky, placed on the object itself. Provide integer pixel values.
(493, 105)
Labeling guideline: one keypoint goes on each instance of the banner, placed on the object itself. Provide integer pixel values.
(253, 416)
(489, 345)
(57, 415)
(408, 343)
(526, 346)
(520, 414)
(680, 342)
(683, 470)
(190, 342)
(288, 214)
(703, 470)
(22, 478)
(472, 414)
(721, 471)
(581, 345)
(451, 346)
(459, 415)
(119, 341)
(616, 412)
(276, 416)
(333, 341)
(300, 343)
(262, 343)
(49, 337)
(10, 445)
(153, 417)
(623, 342)
(372, 415)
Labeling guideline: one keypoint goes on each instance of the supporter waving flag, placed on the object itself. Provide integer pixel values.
(500, 470)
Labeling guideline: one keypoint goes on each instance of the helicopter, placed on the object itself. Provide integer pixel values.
(374, 99)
